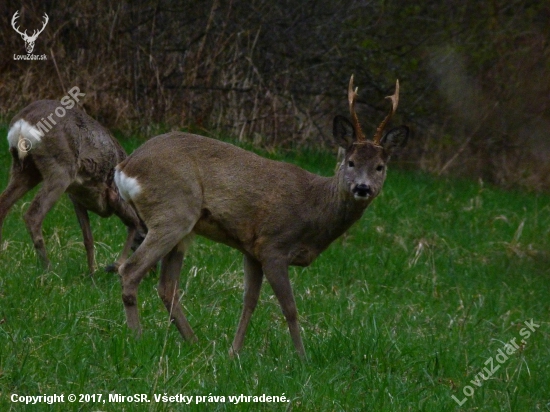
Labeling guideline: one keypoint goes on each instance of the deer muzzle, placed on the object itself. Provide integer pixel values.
(361, 191)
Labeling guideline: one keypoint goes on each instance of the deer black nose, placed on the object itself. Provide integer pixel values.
(362, 190)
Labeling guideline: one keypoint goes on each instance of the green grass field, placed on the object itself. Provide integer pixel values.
(400, 314)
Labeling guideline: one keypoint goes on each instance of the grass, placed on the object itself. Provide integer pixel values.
(400, 314)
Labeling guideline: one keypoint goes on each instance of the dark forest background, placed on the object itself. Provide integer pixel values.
(475, 83)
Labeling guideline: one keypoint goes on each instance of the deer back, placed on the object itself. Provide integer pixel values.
(237, 197)
(77, 140)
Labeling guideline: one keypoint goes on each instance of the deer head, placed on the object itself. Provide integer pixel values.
(29, 40)
(363, 169)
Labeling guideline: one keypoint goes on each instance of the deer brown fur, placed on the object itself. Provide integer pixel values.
(77, 156)
(275, 213)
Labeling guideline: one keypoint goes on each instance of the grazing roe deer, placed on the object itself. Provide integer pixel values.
(275, 213)
(76, 155)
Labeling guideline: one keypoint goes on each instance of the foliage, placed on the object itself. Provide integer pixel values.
(473, 74)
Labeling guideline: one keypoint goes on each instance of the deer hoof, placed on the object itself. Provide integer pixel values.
(112, 268)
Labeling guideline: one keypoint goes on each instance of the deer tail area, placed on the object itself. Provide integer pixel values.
(24, 137)
(128, 187)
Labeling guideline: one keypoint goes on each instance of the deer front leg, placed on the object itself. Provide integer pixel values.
(168, 289)
(277, 276)
(130, 241)
(84, 222)
(253, 276)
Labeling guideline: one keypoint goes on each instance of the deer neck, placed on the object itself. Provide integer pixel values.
(338, 209)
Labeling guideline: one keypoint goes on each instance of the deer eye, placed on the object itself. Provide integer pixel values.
(351, 164)
(379, 168)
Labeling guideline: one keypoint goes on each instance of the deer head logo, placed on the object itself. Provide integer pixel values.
(29, 40)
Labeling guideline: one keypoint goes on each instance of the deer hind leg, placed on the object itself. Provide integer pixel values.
(157, 244)
(253, 277)
(128, 216)
(168, 288)
(23, 178)
(84, 222)
(277, 276)
(50, 192)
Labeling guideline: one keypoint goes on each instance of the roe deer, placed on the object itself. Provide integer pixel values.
(71, 153)
(275, 213)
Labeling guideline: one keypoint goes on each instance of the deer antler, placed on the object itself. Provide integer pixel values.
(37, 32)
(13, 20)
(395, 101)
(352, 96)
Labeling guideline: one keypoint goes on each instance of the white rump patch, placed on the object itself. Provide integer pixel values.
(22, 129)
(24, 136)
(128, 187)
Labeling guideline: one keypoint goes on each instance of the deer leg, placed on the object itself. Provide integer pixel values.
(130, 237)
(157, 243)
(168, 288)
(51, 190)
(131, 241)
(129, 217)
(277, 276)
(20, 183)
(84, 222)
(253, 276)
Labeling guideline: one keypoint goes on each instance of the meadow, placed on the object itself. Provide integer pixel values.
(423, 300)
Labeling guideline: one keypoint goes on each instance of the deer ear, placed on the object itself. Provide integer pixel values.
(343, 132)
(395, 139)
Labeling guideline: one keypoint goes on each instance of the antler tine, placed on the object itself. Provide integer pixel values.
(352, 96)
(46, 20)
(44, 24)
(395, 101)
(14, 18)
(13, 23)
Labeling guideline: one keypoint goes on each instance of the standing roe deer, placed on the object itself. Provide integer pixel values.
(71, 153)
(275, 213)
